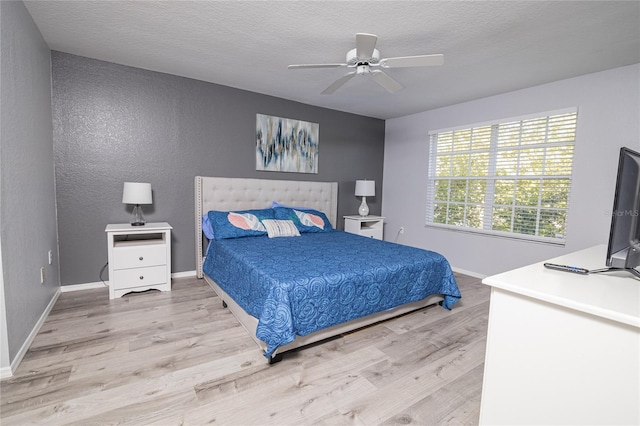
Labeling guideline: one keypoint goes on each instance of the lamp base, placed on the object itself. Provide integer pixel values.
(137, 218)
(363, 210)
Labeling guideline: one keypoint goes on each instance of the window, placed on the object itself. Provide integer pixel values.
(509, 178)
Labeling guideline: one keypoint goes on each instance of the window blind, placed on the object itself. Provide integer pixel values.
(510, 178)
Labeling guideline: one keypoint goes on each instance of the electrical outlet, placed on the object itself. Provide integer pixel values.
(42, 275)
(50, 257)
(402, 229)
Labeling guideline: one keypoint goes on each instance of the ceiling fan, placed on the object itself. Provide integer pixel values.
(365, 56)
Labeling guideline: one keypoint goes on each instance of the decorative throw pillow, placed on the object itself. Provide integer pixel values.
(206, 227)
(305, 220)
(280, 228)
(236, 224)
(277, 204)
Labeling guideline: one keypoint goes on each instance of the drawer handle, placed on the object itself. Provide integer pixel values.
(141, 277)
(140, 258)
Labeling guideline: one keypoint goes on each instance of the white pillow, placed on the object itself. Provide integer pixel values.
(280, 228)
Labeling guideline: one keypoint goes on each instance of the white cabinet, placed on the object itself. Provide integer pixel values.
(139, 257)
(563, 348)
(367, 226)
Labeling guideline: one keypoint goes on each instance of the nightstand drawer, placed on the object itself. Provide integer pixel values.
(371, 233)
(138, 256)
(138, 277)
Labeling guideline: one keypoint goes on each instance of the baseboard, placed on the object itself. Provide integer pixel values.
(7, 372)
(470, 273)
(100, 284)
(85, 286)
(184, 274)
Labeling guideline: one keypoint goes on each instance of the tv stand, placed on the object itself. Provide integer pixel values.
(563, 348)
(611, 269)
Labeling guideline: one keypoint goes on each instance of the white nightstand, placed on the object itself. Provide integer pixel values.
(367, 226)
(139, 257)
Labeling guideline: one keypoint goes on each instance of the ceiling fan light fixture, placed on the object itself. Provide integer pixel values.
(363, 69)
(365, 56)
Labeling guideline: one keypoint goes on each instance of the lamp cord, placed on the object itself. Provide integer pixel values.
(100, 274)
(126, 238)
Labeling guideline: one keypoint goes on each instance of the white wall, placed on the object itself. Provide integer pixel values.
(608, 118)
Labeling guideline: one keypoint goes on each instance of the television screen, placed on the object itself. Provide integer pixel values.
(623, 251)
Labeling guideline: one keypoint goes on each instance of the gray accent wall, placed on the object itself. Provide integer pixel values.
(27, 205)
(114, 123)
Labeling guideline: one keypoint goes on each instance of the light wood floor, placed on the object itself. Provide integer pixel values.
(180, 358)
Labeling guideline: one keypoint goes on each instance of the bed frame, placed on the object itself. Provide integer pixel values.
(225, 194)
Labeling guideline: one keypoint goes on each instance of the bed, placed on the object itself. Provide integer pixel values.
(282, 290)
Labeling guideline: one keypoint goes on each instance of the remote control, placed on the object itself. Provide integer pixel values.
(567, 268)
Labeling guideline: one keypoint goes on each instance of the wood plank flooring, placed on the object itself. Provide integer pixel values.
(180, 358)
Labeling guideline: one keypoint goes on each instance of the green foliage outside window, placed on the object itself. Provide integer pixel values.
(512, 177)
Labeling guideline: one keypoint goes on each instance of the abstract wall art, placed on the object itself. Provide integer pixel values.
(286, 145)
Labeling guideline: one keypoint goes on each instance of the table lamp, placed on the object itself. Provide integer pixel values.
(137, 193)
(364, 189)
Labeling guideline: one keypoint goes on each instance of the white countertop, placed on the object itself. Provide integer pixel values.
(612, 295)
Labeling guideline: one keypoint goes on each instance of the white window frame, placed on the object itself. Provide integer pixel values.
(488, 202)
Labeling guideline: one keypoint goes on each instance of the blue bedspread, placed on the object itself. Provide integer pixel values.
(298, 285)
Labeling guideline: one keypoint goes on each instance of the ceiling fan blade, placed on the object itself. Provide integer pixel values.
(385, 81)
(365, 43)
(302, 66)
(412, 61)
(338, 83)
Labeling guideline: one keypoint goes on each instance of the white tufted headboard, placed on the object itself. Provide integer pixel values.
(226, 194)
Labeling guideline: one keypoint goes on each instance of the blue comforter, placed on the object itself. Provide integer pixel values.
(298, 285)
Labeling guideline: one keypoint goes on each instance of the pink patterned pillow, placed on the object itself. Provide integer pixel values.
(236, 224)
(305, 220)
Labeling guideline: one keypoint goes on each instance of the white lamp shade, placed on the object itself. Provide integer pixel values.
(136, 193)
(365, 188)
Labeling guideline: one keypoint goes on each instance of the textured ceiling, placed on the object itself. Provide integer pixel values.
(490, 47)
